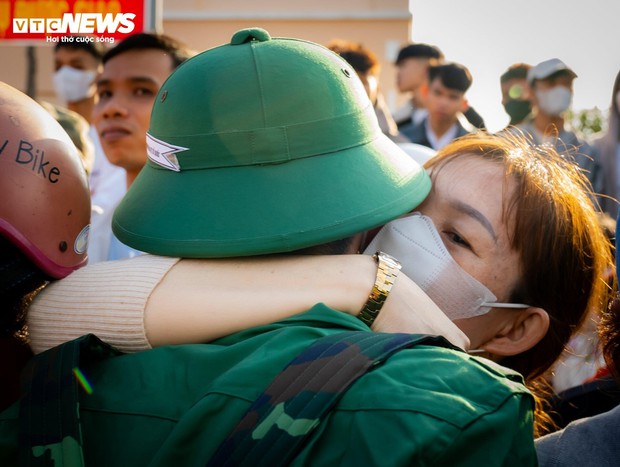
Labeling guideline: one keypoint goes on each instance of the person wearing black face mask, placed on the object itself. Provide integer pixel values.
(516, 92)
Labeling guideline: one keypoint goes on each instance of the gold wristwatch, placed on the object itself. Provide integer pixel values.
(387, 271)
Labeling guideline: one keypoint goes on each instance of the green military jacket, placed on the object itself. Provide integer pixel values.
(174, 405)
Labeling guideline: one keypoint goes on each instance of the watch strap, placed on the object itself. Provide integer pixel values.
(388, 268)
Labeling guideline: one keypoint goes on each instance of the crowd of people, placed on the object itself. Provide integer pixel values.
(222, 213)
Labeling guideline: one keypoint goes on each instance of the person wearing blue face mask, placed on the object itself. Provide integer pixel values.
(551, 83)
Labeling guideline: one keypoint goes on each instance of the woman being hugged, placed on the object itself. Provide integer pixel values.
(541, 246)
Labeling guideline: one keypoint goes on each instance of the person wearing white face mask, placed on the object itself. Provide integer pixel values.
(77, 65)
(551, 82)
(74, 86)
(417, 243)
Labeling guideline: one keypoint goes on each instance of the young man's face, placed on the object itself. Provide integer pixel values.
(126, 90)
(552, 96)
(411, 74)
(444, 103)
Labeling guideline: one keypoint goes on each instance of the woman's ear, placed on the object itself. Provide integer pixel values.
(520, 334)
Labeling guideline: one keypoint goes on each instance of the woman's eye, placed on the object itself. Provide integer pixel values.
(457, 239)
(104, 94)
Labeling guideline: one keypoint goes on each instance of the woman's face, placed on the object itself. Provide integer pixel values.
(466, 206)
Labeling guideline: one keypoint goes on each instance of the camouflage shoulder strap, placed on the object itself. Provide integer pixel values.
(49, 425)
(274, 427)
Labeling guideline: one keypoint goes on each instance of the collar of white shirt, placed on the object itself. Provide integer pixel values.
(438, 143)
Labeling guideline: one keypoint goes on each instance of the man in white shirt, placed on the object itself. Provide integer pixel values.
(77, 65)
(133, 72)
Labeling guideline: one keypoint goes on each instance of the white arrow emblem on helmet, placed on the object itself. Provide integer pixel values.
(163, 153)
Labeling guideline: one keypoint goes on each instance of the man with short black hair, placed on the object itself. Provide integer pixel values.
(133, 72)
(413, 61)
(445, 99)
(77, 64)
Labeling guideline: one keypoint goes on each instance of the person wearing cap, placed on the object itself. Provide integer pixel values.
(445, 99)
(551, 83)
(516, 92)
(412, 62)
(319, 152)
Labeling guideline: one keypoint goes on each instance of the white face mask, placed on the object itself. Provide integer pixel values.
(554, 101)
(416, 243)
(73, 85)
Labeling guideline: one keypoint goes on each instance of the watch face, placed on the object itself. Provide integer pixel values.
(390, 260)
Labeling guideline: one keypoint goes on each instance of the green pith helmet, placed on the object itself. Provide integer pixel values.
(264, 145)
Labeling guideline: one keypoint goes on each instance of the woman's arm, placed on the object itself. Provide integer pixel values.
(152, 300)
(201, 300)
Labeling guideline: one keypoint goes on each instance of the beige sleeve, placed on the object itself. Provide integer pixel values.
(107, 299)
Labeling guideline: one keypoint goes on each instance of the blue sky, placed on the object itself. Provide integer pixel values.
(489, 35)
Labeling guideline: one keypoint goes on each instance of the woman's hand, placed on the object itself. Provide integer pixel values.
(408, 309)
